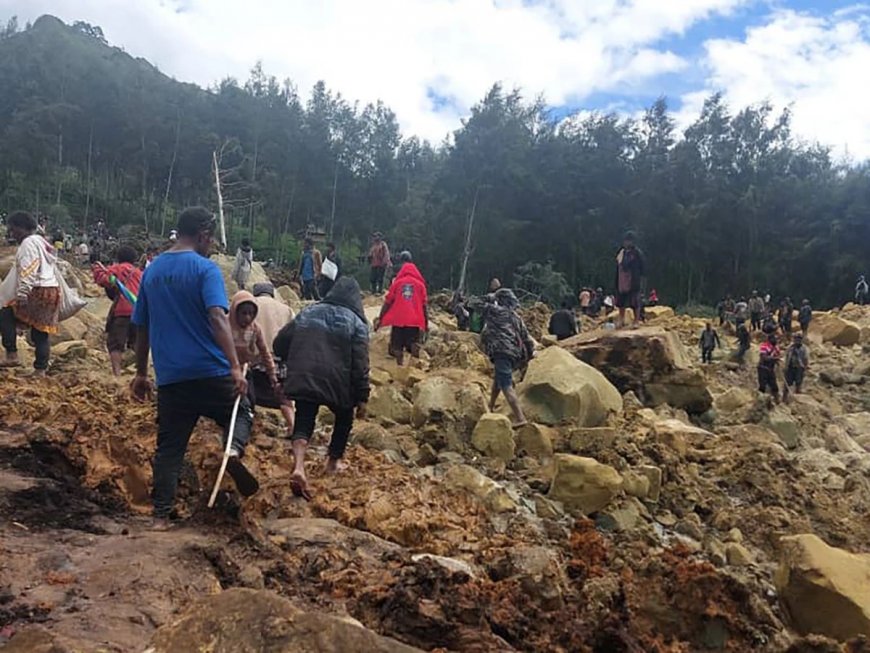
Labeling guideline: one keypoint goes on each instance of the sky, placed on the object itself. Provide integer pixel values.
(432, 60)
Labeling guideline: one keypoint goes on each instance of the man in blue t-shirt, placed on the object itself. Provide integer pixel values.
(181, 316)
(309, 269)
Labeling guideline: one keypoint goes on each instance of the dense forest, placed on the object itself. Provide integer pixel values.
(734, 202)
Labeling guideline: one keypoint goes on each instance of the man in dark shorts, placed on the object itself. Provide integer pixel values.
(405, 309)
(769, 357)
(507, 342)
(797, 360)
(181, 316)
(120, 333)
(629, 273)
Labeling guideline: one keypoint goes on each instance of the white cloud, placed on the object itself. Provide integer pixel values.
(813, 64)
(401, 50)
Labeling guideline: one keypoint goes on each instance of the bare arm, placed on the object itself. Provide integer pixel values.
(143, 347)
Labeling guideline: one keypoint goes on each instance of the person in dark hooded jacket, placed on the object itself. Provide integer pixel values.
(326, 349)
(507, 342)
(405, 309)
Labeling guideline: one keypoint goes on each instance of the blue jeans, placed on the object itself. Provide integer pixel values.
(179, 407)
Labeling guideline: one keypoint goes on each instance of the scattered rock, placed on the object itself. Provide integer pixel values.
(738, 555)
(654, 474)
(251, 576)
(487, 491)
(635, 484)
(781, 422)
(677, 435)
(658, 312)
(826, 590)
(387, 402)
(494, 437)
(535, 440)
(239, 620)
(547, 509)
(559, 389)
(583, 485)
(835, 330)
(580, 440)
(732, 400)
(618, 520)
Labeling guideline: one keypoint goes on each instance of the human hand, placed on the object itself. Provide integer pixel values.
(141, 388)
(239, 381)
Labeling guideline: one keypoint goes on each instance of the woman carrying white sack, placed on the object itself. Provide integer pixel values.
(31, 293)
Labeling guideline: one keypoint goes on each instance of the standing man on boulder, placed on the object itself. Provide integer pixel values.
(379, 259)
(756, 310)
(629, 275)
(797, 360)
(805, 316)
(405, 309)
(181, 315)
(507, 342)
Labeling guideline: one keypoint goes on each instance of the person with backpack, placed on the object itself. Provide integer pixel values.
(797, 360)
(120, 333)
(708, 341)
(805, 316)
(507, 342)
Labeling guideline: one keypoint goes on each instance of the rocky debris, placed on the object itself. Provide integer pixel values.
(650, 361)
(457, 349)
(483, 488)
(493, 436)
(536, 441)
(781, 422)
(658, 312)
(226, 263)
(388, 403)
(679, 436)
(559, 389)
(245, 621)
(826, 590)
(287, 295)
(454, 408)
(537, 319)
(583, 485)
(834, 329)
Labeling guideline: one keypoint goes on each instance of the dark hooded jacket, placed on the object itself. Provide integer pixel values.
(326, 349)
(505, 334)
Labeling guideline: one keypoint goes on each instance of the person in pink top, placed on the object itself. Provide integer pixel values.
(379, 259)
(120, 334)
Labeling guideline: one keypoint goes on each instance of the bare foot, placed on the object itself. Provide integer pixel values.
(299, 485)
(519, 425)
(160, 524)
(335, 466)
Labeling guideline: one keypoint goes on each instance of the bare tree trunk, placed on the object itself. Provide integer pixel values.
(88, 179)
(253, 182)
(169, 177)
(220, 198)
(466, 254)
(334, 189)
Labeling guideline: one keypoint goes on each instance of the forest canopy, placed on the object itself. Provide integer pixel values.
(733, 202)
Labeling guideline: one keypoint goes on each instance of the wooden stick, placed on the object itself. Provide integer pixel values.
(226, 458)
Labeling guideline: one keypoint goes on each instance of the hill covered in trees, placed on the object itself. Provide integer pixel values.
(734, 202)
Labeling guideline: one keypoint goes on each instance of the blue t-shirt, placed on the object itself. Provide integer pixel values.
(307, 265)
(176, 292)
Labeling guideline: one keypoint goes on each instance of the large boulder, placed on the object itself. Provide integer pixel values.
(492, 495)
(387, 402)
(679, 436)
(649, 361)
(560, 389)
(440, 400)
(250, 621)
(226, 263)
(494, 437)
(826, 590)
(658, 312)
(583, 485)
(835, 330)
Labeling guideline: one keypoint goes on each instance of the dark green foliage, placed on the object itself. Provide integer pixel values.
(734, 203)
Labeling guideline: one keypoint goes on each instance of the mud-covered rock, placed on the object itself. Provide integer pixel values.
(836, 330)
(650, 361)
(252, 621)
(559, 389)
(826, 590)
(583, 485)
(487, 491)
(387, 402)
(535, 440)
(679, 436)
(493, 436)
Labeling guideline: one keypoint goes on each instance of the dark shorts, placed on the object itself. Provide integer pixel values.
(120, 334)
(404, 339)
(767, 380)
(794, 376)
(627, 300)
(504, 373)
(260, 391)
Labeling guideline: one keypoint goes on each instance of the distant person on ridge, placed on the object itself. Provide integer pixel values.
(756, 310)
(309, 269)
(181, 315)
(406, 310)
(862, 291)
(741, 310)
(563, 323)
(120, 333)
(327, 353)
(585, 298)
(507, 342)
(709, 340)
(629, 273)
(653, 298)
(769, 357)
(786, 315)
(379, 259)
(244, 264)
(743, 341)
(805, 316)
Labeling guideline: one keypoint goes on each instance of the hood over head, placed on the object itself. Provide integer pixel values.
(412, 271)
(241, 297)
(264, 289)
(506, 297)
(346, 293)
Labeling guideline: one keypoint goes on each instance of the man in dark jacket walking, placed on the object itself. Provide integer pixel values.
(629, 273)
(327, 353)
(508, 345)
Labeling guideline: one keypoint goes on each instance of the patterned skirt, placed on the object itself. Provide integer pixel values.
(41, 309)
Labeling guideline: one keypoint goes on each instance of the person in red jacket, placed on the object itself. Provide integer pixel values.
(405, 309)
(120, 334)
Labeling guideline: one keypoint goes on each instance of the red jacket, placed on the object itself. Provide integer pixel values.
(406, 299)
(127, 274)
